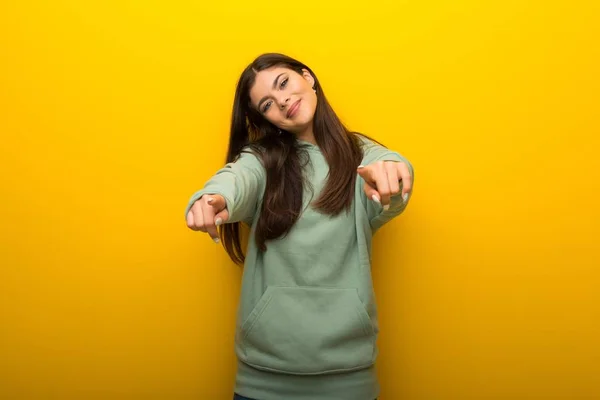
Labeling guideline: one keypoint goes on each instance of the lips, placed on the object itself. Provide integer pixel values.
(293, 110)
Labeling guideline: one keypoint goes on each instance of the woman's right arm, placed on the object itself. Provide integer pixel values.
(240, 184)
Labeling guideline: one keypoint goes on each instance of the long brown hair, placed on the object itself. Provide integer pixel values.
(283, 159)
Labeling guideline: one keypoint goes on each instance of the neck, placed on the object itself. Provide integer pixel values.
(307, 135)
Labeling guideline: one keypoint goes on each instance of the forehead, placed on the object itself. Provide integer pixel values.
(263, 82)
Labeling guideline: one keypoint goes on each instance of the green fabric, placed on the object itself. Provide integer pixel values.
(307, 319)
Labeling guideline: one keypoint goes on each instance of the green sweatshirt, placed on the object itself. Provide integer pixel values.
(307, 319)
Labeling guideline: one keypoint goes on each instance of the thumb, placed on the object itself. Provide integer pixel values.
(369, 187)
(217, 202)
(365, 173)
(222, 217)
(219, 206)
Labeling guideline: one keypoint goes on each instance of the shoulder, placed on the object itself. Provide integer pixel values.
(375, 151)
(364, 140)
(369, 145)
(247, 163)
(249, 157)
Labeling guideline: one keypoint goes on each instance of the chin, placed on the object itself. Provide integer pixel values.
(298, 123)
(302, 123)
(303, 120)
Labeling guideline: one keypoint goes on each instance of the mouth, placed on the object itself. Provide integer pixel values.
(293, 110)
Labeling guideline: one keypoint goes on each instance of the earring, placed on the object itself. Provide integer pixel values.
(279, 132)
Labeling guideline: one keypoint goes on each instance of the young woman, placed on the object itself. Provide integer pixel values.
(313, 194)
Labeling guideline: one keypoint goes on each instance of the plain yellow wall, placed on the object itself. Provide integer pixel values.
(113, 112)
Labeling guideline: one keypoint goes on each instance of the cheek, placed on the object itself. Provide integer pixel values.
(312, 102)
(273, 117)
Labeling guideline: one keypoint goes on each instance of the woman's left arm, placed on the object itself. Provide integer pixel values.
(387, 179)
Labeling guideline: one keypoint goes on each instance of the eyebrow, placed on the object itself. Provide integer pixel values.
(274, 86)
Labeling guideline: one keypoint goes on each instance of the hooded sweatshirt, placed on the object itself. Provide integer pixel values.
(307, 319)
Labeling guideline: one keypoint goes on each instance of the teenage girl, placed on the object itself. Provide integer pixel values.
(313, 194)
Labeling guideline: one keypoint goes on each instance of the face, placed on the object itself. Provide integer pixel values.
(285, 98)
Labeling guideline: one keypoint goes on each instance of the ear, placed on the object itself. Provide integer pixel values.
(307, 75)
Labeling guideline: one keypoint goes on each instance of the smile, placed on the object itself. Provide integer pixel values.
(293, 110)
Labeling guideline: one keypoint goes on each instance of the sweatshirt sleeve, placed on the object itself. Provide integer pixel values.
(373, 152)
(241, 183)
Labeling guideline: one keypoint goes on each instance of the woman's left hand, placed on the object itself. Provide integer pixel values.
(382, 180)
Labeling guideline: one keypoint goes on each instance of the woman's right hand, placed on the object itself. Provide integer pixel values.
(207, 213)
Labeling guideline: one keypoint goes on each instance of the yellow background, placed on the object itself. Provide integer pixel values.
(112, 113)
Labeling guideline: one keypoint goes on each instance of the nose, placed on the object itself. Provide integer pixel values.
(283, 102)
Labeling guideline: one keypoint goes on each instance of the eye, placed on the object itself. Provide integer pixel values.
(284, 83)
(267, 106)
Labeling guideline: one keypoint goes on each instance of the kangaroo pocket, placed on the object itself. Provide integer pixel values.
(307, 330)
